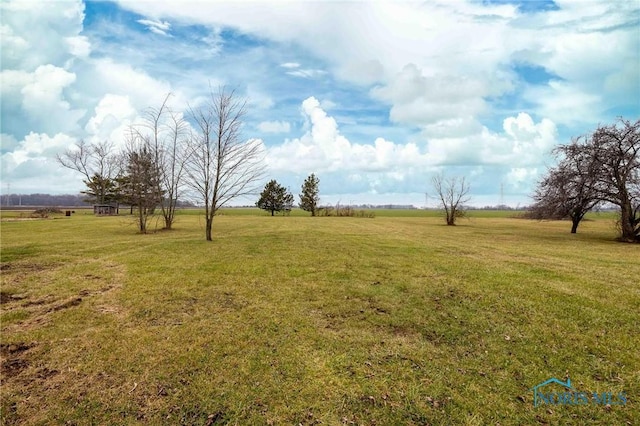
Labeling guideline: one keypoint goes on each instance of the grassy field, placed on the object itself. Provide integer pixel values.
(299, 320)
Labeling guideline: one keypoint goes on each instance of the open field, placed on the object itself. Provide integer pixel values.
(299, 320)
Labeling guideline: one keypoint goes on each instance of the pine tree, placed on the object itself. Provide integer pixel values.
(309, 198)
(100, 190)
(142, 184)
(275, 198)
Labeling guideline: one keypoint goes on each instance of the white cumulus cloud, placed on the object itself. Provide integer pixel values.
(41, 32)
(324, 148)
(113, 115)
(39, 97)
(31, 165)
(274, 127)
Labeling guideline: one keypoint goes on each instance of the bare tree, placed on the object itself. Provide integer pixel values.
(165, 133)
(454, 194)
(617, 149)
(571, 188)
(603, 167)
(98, 163)
(222, 166)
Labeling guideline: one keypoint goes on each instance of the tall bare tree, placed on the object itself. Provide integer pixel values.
(454, 194)
(165, 133)
(222, 165)
(98, 163)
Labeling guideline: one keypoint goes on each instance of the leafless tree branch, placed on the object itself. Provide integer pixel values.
(221, 165)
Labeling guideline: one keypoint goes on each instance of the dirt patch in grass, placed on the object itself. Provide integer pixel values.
(34, 302)
(13, 358)
(36, 313)
(30, 376)
(30, 267)
(13, 366)
(6, 297)
(20, 274)
(75, 301)
(45, 373)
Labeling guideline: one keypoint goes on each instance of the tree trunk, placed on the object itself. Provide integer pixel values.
(272, 212)
(451, 217)
(574, 226)
(627, 227)
(208, 227)
(141, 221)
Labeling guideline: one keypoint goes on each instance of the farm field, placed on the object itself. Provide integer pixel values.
(299, 320)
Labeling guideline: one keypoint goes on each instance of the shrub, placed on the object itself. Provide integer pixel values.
(344, 211)
(45, 212)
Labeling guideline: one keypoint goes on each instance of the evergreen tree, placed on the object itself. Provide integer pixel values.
(288, 202)
(100, 190)
(309, 198)
(141, 185)
(275, 198)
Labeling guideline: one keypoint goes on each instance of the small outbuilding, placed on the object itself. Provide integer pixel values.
(104, 209)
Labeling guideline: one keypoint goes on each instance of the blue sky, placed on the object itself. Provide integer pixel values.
(375, 98)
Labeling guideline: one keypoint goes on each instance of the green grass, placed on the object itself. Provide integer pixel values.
(298, 320)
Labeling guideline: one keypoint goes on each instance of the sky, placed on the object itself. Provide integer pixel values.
(375, 98)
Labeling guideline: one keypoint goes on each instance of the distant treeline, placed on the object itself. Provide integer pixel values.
(67, 200)
(381, 206)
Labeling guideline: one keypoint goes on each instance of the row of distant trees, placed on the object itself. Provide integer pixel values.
(67, 200)
(597, 169)
(164, 157)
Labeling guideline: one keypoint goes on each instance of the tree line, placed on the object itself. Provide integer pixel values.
(67, 200)
(594, 170)
(165, 156)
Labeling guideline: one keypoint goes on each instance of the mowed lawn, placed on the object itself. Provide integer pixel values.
(300, 320)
